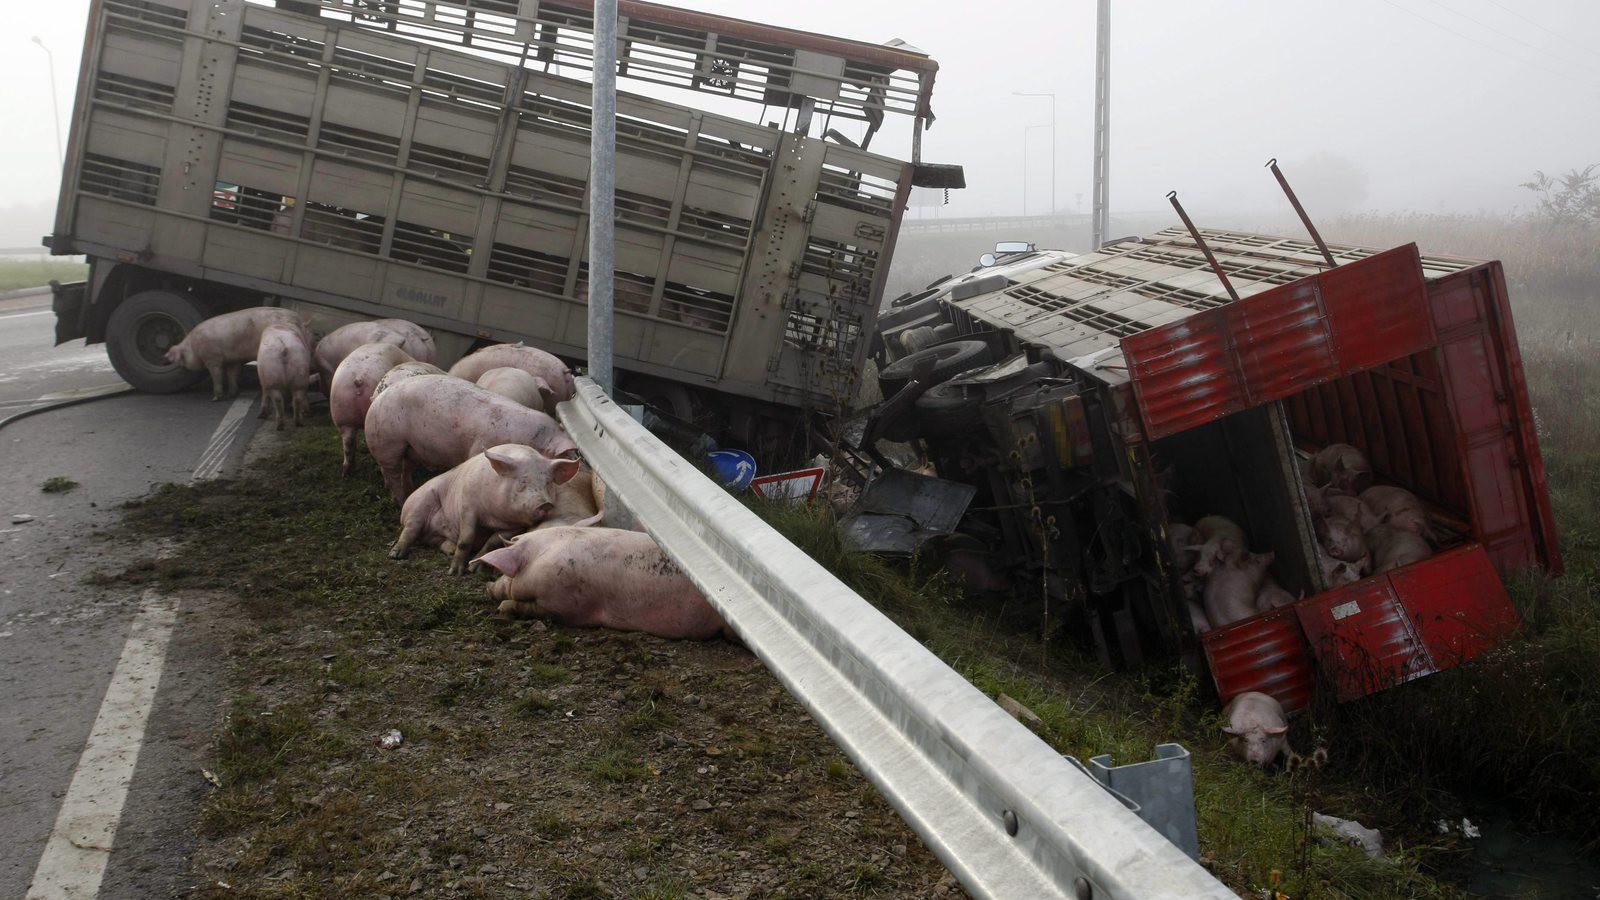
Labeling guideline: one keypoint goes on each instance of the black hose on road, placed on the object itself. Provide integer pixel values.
(61, 404)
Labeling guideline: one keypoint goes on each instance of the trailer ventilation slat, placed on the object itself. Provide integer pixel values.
(127, 92)
(247, 118)
(125, 13)
(359, 143)
(842, 263)
(854, 190)
(521, 267)
(120, 179)
(346, 229)
(554, 190)
(284, 51)
(451, 165)
(431, 247)
(696, 307)
(835, 336)
(250, 207)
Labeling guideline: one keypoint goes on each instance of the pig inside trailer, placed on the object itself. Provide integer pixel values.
(1082, 411)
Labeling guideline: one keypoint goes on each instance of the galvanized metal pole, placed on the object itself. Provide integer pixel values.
(1102, 125)
(602, 192)
(55, 103)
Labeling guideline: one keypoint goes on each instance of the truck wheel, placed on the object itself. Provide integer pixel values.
(138, 334)
(946, 409)
(949, 360)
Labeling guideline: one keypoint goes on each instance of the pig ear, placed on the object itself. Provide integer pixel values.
(506, 560)
(562, 470)
(547, 397)
(1229, 729)
(1275, 729)
(505, 465)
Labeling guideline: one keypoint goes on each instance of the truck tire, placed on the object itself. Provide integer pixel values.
(138, 334)
(946, 409)
(949, 360)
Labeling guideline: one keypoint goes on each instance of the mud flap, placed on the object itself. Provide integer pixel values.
(67, 303)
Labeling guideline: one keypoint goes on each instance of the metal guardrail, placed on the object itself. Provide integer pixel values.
(1008, 815)
(1019, 227)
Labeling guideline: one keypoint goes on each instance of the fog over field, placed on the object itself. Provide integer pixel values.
(1372, 105)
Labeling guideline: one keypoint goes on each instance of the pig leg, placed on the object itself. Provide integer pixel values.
(347, 439)
(277, 408)
(302, 407)
(218, 380)
(266, 403)
(466, 538)
(233, 379)
(410, 530)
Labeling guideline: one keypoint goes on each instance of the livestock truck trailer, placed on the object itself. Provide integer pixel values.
(1076, 406)
(429, 160)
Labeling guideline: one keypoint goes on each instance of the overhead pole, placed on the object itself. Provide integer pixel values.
(602, 193)
(1102, 124)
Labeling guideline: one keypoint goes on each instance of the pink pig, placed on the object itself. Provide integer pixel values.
(439, 421)
(1232, 586)
(1257, 728)
(1390, 505)
(516, 384)
(340, 342)
(401, 373)
(1394, 547)
(1343, 467)
(532, 360)
(504, 488)
(1211, 532)
(223, 344)
(283, 363)
(353, 385)
(602, 577)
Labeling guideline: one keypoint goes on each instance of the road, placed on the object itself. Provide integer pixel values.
(62, 640)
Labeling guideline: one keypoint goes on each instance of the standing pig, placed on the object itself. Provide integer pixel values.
(1395, 547)
(602, 577)
(283, 363)
(529, 359)
(401, 373)
(1257, 729)
(1233, 584)
(440, 421)
(340, 342)
(353, 385)
(222, 344)
(516, 384)
(504, 488)
(1343, 467)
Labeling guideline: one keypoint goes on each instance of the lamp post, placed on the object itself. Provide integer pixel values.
(602, 192)
(55, 104)
(1052, 97)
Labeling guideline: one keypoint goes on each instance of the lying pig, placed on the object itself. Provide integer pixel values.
(1398, 507)
(529, 359)
(351, 389)
(1272, 595)
(439, 421)
(602, 577)
(401, 373)
(1197, 617)
(504, 488)
(1349, 508)
(340, 342)
(1337, 572)
(1342, 538)
(1394, 547)
(1342, 466)
(516, 384)
(1233, 584)
(1257, 729)
(222, 344)
(283, 363)
(1211, 532)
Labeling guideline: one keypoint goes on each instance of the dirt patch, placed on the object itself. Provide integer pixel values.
(535, 761)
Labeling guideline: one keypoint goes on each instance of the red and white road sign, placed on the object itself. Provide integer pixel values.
(799, 485)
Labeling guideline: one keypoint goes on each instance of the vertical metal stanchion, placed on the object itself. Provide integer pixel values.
(602, 192)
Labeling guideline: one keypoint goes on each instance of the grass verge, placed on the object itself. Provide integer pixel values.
(26, 273)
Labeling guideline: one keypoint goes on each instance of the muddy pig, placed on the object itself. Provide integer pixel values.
(1210, 532)
(1396, 506)
(1257, 729)
(504, 488)
(340, 342)
(1343, 467)
(529, 359)
(439, 421)
(350, 392)
(221, 345)
(516, 384)
(602, 577)
(1395, 547)
(1233, 584)
(283, 363)
(401, 373)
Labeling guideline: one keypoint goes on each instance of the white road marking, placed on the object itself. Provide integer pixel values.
(216, 453)
(24, 315)
(74, 859)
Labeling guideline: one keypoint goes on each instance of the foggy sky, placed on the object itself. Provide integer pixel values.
(1366, 105)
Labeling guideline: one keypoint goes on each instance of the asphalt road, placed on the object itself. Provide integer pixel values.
(60, 638)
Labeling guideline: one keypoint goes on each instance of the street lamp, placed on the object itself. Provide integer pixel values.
(1052, 142)
(55, 104)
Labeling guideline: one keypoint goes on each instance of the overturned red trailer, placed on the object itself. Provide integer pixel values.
(1128, 390)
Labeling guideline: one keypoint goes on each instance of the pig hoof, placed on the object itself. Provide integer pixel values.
(397, 553)
(507, 609)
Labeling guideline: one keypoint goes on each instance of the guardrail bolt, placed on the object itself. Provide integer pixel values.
(1010, 818)
(1082, 888)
